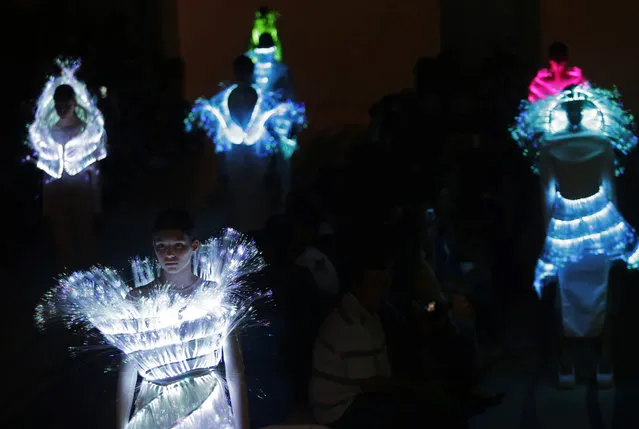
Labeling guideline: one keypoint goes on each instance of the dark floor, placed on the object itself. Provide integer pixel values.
(50, 389)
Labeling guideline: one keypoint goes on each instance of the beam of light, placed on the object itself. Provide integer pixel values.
(174, 339)
(602, 115)
(81, 151)
(265, 22)
(271, 127)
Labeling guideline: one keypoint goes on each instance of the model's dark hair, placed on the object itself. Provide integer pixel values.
(62, 97)
(243, 66)
(266, 41)
(558, 52)
(177, 219)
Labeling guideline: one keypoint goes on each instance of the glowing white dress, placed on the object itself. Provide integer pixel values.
(174, 336)
(58, 155)
(68, 156)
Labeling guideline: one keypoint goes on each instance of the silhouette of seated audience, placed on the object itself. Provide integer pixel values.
(352, 384)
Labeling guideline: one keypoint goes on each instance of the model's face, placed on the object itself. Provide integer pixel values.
(174, 250)
(67, 110)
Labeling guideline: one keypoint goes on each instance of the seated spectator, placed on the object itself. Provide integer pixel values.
(352, 384)
(447, 350)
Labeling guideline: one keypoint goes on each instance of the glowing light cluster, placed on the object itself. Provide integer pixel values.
(271, 127)
(174, 338)
(267, 69)
(83, 150)
(265, 21)
(601, 114)
(546, 83)
(591, 225)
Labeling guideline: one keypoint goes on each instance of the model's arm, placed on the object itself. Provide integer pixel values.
(126, 390)
(236, 381)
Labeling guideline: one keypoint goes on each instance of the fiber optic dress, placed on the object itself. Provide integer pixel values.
(75, 154)
(247, 150)
(175, 338)
(68, 156)
(577, 140)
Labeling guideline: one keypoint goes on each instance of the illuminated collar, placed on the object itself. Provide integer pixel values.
(232, 132)
(541, 121)
(269, 127)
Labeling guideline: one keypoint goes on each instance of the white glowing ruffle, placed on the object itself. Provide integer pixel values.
(270, 128)
(83, 150)
(587, 226)
(175, 339)
(547, 117)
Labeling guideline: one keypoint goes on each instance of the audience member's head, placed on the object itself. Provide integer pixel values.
(372, 275)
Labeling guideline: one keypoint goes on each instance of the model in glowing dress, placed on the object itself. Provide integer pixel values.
(173, 336)
(252, 129)
(67, 139)
(577, 140)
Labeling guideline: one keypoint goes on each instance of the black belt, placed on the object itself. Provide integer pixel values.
(201, 372)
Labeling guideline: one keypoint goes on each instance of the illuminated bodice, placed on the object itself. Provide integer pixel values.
(55, 155)
(167, 332)
(170, 341)
(268, 129)
(573, 117)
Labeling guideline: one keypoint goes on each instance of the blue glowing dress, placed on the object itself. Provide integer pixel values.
(174, 336)
(249, 149)
(577, 140)
(270, 128)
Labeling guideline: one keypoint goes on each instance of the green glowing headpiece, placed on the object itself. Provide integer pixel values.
(265, 19)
